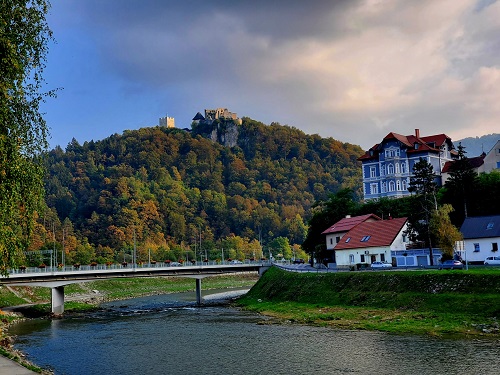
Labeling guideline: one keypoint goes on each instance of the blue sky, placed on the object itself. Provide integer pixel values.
(351, 70)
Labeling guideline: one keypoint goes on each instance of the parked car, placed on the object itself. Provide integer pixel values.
(451, 265)
(381, 265)
(298, 261)
(235, 261)
(492, 260)
(175, 264)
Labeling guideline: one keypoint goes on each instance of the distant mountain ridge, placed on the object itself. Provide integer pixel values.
(474, 146)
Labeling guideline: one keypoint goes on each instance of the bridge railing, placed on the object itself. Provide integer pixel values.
(128, 266)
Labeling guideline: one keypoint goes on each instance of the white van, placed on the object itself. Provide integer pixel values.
(492, 260)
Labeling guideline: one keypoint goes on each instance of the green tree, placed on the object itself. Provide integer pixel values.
(423, 184)
(280, 246)
(444, 231)
(461, 186)
(326, 214)
(24, 37)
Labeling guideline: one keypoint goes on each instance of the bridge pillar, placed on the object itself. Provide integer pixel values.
(198, 291)
(58, 300)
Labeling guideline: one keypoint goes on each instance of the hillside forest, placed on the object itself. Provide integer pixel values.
(188, 194)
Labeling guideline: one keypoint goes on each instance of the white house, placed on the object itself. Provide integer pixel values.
(371, 241)
(481, 237)
(492, 159)
(335, 232)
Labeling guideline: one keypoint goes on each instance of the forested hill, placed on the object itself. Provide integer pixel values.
(165, 186)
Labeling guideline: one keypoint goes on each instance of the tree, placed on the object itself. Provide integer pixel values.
(423, 184)
(24, 36)
(444, 231)
(461, 185)
(326, 214)
(280, 247)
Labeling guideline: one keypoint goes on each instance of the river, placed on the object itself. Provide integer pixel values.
(168, 334)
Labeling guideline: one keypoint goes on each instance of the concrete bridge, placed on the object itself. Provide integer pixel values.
(56, 279)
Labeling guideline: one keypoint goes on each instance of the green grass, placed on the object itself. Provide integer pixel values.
(430, 302)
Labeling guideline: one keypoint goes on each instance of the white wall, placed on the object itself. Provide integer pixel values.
(484, 249)
(342, 256)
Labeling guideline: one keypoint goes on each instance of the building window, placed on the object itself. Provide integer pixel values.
(398, 185)
(397, 152)
(397, 167)
(373, 172)
(476, 248)
(351, 258)
(494, 246)
(365, 238)
(382, 257)
(490, 225)
(404, 185)
(384, 187)
(391, 185)
(347, 239)
(331, 241)
(362, 258)
(373, 188)
(337, 239)
(404, 238)
(390, 169)
(403, 167)
(382, 170)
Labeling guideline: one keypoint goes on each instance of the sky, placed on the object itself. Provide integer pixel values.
(351, 70)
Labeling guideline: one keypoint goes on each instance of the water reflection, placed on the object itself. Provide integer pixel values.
(169, 335)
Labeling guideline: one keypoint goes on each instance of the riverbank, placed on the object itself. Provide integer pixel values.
(31, 302)
(415, 302)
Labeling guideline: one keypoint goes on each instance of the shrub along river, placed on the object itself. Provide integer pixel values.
(168, 334)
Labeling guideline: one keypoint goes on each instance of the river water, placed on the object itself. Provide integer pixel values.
(169, 335)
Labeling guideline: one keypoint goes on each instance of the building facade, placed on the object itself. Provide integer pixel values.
(481, 238)
(387, 166)
(492, 159)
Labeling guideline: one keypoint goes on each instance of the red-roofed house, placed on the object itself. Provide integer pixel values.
(341, 227)
(388, 166)
(371, 241)
(477, 163)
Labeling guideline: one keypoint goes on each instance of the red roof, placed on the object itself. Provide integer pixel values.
(429, 143)
(381, 233)
(475, 162)
(347, 223)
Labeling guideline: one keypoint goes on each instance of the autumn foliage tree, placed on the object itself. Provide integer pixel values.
(24, 35)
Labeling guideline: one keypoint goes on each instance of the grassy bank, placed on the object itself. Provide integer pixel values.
(422, 302)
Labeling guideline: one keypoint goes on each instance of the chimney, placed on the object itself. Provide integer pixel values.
(417, 133)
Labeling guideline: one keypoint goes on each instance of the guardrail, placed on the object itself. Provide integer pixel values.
(130, 266)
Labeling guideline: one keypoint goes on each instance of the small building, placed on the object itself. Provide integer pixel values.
(477, 164)
(371, 241)
(340, 228)
(168, 122)
(198, 118)
(481, 237)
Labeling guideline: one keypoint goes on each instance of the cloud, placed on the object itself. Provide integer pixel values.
(353, 70)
